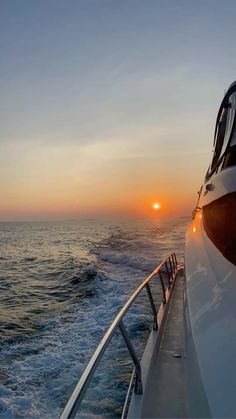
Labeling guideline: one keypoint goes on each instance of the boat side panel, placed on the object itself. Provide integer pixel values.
(195, 397)
(211, 299)
(220, 184)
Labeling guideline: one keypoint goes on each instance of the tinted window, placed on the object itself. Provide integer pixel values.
(220, 225)
(220, 135)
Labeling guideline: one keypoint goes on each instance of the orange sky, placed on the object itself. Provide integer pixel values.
(60, 183)
(108, 109)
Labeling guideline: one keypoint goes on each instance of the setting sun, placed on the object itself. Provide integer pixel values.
(156, 206)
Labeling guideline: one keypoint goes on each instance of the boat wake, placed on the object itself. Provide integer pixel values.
(61, 285)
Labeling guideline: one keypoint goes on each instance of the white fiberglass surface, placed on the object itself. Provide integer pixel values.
(221, 184)
(211, 298)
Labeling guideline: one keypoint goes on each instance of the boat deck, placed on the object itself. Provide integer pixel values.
(163, 395)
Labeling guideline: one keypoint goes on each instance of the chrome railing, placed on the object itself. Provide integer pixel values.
(166, 270)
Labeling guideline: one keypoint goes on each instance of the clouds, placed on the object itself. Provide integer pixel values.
(104, 96)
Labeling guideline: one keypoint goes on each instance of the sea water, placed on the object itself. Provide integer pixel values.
(61, 284)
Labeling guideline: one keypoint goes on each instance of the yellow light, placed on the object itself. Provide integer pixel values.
(156, 206)
(194, 229)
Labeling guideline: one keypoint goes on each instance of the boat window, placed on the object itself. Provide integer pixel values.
(220, 135)
(230, 157)
(230, 149)
(230, 121)
(220, 225)
(225, 135)
(233, 138)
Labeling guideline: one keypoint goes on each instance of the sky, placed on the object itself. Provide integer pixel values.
(108, 106)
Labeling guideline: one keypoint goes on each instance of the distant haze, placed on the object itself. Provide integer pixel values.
(108, 106)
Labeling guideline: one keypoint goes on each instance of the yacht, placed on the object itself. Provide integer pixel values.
(210, 272)
(188, 365)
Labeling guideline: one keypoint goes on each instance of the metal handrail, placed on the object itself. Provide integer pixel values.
(82, 385)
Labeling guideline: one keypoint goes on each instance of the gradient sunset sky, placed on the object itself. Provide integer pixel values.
(109, 105)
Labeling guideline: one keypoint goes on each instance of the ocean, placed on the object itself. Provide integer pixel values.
(62, 283)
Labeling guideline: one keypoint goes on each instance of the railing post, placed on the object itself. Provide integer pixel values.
(163, 288)
(155, 324)
(138, 387)
(176, 264)
(172, 256)
(171, 268)
(168, 274)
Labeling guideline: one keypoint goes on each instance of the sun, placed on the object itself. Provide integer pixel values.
(156, 206)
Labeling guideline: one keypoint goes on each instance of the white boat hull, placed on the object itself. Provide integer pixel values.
(211, 308)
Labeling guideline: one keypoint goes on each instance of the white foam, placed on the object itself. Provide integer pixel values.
(43, 368)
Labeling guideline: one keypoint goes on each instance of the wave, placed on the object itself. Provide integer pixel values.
(67, 282)
(29, 259)
(43, 292)
(137, 262)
